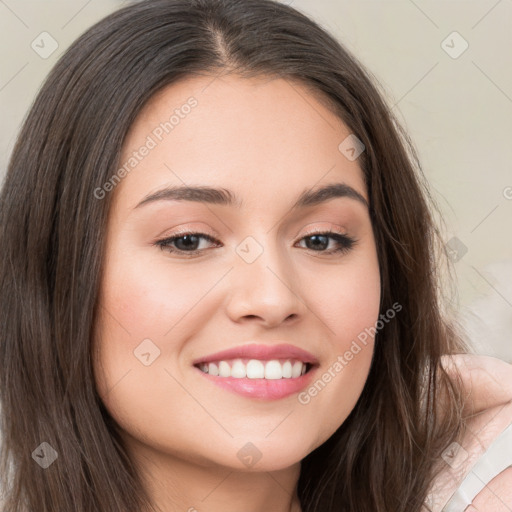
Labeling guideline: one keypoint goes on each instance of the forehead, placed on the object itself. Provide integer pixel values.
(264, 138)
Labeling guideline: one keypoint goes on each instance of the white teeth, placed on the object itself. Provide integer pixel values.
(238, 370)
(296, 369)
(224, 369)
(273, 370)
(213, 369)
(256, 369)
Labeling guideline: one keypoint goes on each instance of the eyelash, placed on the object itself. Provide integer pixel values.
(346, 243)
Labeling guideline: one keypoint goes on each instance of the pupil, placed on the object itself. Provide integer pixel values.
(189, 240)
(323, 243)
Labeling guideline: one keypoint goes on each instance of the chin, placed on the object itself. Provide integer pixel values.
(246, 455)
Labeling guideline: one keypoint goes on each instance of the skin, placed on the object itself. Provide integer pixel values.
(490, 382)
(488, 411)
(267, 142)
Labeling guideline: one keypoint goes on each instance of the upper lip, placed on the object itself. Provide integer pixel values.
(262, 352)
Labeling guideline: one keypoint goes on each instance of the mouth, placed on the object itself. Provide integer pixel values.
(260, 371)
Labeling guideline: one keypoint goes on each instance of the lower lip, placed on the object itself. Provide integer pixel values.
(265, 389)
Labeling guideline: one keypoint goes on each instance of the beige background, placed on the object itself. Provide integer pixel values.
(456, 106)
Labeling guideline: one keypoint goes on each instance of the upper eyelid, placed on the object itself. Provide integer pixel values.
(328, 226)
(213, 237)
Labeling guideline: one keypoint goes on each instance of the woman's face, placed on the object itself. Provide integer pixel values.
(263, 287)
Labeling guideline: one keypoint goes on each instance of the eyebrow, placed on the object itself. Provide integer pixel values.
(224, 197)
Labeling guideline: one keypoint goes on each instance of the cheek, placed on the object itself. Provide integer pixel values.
(345, 297)
(348, 303)
(148, 309)
(148, 298)
(350, 306)
(141, 301)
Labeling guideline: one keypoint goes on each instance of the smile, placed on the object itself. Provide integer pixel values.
(261, 387)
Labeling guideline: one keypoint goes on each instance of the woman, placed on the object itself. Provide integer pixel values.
(220, 277)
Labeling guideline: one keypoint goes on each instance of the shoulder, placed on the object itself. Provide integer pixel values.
(487, 383)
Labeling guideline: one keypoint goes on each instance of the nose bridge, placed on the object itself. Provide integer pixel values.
(264, 284)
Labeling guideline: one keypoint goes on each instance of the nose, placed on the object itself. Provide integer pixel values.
(265, 291)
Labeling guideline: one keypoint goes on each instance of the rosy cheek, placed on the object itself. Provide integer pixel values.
(350, 304)
(149, 298)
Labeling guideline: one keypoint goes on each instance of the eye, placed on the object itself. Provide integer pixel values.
(318, 242)
(187, 244)
(184, 243)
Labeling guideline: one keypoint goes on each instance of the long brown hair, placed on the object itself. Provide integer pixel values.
(52, 229)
